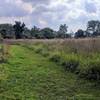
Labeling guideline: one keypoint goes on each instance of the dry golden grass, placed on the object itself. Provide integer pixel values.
(85, 45)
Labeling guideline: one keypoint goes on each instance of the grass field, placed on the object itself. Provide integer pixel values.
(36, 72)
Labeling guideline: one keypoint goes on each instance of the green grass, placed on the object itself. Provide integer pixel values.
(28, 75)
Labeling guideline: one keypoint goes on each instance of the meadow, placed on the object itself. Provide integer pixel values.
(55, 69)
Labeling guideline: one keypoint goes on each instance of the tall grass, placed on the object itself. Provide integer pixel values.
(4, 52)
(74, 55)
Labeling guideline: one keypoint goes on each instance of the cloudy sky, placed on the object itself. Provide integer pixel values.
(50, 13)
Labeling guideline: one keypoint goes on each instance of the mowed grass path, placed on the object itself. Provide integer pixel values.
(30, 76)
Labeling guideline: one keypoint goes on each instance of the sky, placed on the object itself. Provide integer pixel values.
(50, 13)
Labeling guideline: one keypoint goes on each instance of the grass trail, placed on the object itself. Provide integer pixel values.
(30, 76)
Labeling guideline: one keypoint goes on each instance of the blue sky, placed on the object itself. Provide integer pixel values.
(50, 13)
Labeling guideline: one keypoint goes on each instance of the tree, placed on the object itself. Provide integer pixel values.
(62, 33)
(19, 28)
(7, 30)
(1, 37)
(35, 32)
(26, 33)
(3, 33)
(79, 34)
(47, 33)
(93, 28)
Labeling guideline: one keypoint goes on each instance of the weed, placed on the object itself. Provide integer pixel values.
(70, 65)
(56, 58)
(92, 72)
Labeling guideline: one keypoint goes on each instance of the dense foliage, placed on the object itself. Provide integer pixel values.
(20, 31)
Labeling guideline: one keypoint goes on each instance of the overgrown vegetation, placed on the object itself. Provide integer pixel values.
(92, 72)
(86, 64)
(51, 70)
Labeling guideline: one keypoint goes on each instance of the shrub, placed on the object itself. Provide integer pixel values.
(92, 72)
(45, 54)
(42, 52)
(71, 65)
(29, 47)
(39, 50)
(55, 58)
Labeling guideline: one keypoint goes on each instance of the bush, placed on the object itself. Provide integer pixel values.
(55, 58)
(45, 54)
(42, 52)
(92, 72)
(39, 50)
(71, 65)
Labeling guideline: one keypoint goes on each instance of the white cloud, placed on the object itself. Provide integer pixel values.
(74, 13)
(42, 22)
(11, 20)
(26, 6)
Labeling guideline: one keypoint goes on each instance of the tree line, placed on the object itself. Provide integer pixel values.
(20, 31)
